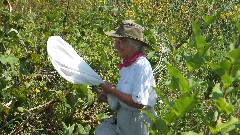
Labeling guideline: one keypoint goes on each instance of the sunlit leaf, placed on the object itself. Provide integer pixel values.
(208, 19)
(178, 80)
(222, 105)
(231, 90)
(150, 54)
(102, 116)
(81, 130)
(201, 45)
(8, 59)
(200, 40)
(20, 109)
(184, 104)
(90, 97)
(217, 93)
(189, 133)
(170, 117)
(31, 16)
(227, 80)
(234, 55)
(225, 127)
(196, 29)
(225, 65)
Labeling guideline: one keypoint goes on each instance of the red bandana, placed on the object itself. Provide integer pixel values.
(127, 63)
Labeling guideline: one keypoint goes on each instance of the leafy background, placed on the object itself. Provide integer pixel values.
(195, 57)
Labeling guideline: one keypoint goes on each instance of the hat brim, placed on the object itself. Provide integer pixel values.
(113, 34)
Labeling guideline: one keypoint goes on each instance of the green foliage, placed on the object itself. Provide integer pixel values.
(225, 127)
(195, 57)
(178, 82)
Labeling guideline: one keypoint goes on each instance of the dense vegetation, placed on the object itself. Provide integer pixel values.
(195, 57)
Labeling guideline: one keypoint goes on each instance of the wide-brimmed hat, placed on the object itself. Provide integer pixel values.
(129, 29)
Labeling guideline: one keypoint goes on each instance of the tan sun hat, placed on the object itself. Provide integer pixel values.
(129, 29)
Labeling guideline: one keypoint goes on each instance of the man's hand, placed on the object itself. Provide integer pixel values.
(107, 87)
(102, 96)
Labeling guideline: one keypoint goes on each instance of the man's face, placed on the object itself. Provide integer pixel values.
(124, 50)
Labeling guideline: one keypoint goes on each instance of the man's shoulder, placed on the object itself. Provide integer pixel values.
(142, 61)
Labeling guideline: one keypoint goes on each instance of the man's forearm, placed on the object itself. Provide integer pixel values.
(126, 98)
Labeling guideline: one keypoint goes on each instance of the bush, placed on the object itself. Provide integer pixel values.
(196, 60)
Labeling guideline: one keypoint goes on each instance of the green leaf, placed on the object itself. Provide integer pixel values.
(236, 72)
(195, 62)
(234, 55)
(31, 16)
(231, 90)
(217, 93)
(184, 105)
(227, 80)
(170, 117)
(81, 90)
(8, 59)
(216, 69)
(20, 109)
(35, 57)
(222, 72)
(70, 102)
(222, 105)
(173, 84)
(114, 10)
(200, 40)
(3, 83)
(178, 81)
(238, 26)
(225, 65)
(208, 19)
(50, 17)
(181, 106)
(4, 109)
(225, 127)
(195, 83)
(150, 54)
(162, 97)
(162, 126)
(189, 133)
(71, 129)
(81, 130)
(13, 33)
(102, 116)
(201, 45)
(196, 29)
(90, 97)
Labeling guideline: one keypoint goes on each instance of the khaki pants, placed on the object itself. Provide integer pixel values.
(128, 122)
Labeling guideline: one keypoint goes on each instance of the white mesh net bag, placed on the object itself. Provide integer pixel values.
(69, 64)
(72, 67)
